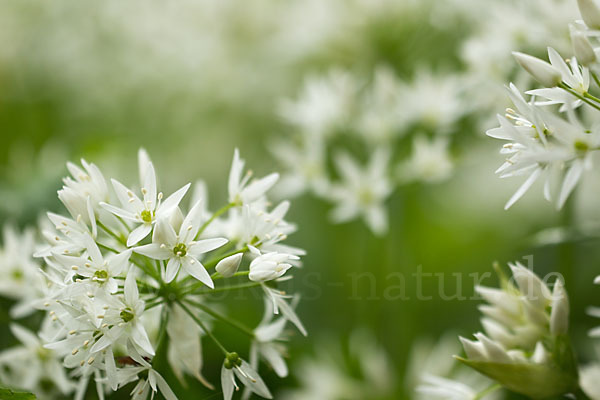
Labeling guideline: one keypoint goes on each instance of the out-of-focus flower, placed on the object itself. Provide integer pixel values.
(363, 190)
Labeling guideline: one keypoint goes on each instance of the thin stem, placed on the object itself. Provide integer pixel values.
(487, 391)
(591, 97)
(216, 215)
(151, 305)
(203, 327)
(580, 97)
(111, 233)
(221, 289)
(221, 317)
(216, 275)
(596, 78)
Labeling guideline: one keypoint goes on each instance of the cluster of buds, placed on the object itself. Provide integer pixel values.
(525, 346)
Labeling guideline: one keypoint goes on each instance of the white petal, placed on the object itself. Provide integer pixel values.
(172, 269)
(205, 245)
(171, 202)
(197, 270)
(138, 234)
(154, 250)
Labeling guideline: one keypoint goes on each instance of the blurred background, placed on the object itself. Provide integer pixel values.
(191, 80)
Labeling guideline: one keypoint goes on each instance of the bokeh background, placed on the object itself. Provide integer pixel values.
(191, 80)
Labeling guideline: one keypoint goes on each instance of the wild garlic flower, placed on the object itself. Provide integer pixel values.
(525, 346)
(360, 118)
(542, 144)
(119, 280)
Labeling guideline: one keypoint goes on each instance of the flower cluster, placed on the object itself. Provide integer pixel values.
(555, 147)
(525, 337)
(127, 283)
(377, 117)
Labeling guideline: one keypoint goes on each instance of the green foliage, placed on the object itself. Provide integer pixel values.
(12, 394)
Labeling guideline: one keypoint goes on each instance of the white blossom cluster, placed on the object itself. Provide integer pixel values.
(549, 144)
(374, 118)
(126, 284)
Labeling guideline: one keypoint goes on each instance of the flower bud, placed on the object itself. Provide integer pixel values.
(270, 266)
(540, 70)
(590, 13)
(582, 48)
(559, 317)
(229, 265)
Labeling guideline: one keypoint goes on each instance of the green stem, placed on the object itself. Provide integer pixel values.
(221, 289)
(591, 97)
(221, 317)
(580, 97)
(216, 275)
(111, 233)
(596, 78)
(216, 215)
(487, 391)
(203, 327)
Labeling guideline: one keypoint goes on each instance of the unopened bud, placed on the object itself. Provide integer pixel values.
(229, 265)
(540, 70)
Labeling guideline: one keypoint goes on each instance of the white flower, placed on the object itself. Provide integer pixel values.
(434, 102)
(578, 79)
(542, 143)
(20, 277)
(29, 365)
(241, 189)
(305, 167)
(430, 160)
(148, 210)
(362, 191)
(279, 304)
(153, 383)
(269, 266)
(124, 319)
(324, 104)
(181, 249)
(83, 192)
(234, 367)
(95, 268)
(540, 70)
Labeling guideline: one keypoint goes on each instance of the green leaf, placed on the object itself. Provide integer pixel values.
(537, 381)
(13, 394)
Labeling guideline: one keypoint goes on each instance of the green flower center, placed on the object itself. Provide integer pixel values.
(101, 275)
(146, 216)
(581, 146)
(232, 360)
(180, 249)
(127, 314)
(17, 274)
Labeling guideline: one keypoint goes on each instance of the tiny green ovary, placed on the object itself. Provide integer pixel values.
(180, 250)
(127, 315)
(146, 216)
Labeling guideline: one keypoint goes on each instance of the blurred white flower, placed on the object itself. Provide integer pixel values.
(362, 190)
(429, 162)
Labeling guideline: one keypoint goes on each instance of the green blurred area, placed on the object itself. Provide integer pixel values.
(191, 134)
